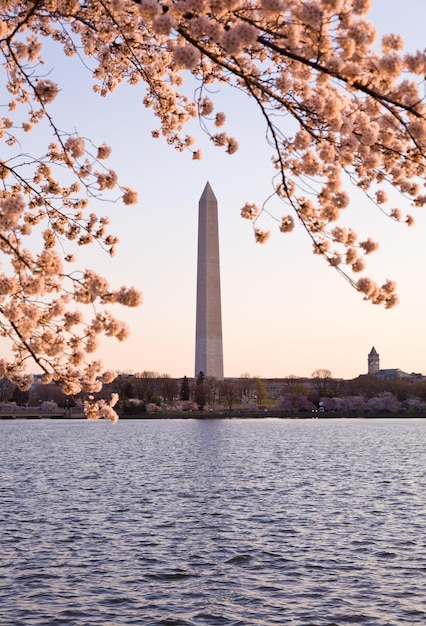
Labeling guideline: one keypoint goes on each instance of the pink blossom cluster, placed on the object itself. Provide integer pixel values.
(43, 220)
(361, 114)
(96, 409)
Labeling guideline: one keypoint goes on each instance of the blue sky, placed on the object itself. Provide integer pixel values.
(284, 310)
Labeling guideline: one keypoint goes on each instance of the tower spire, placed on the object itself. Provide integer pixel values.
(373, 361)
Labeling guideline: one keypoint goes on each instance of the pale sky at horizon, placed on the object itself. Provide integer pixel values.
(284, 311)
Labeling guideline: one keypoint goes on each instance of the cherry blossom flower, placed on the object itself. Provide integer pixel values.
(261, 236)
(186, 57)
(219, 120)
(130, 196)
(369, 245)
(250, 211)
(104, 151)
(287, 224)
(46, 91)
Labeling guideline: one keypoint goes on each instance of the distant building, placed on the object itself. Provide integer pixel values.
(374, 368)
(396, 373)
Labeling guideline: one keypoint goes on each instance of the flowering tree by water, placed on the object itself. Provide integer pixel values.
(384, 401)
(335, 104)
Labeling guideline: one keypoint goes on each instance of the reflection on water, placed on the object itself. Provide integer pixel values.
(213, 522)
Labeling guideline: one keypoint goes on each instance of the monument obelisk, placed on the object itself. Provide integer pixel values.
(208, 335)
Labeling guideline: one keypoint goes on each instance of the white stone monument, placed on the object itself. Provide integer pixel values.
(208, 335)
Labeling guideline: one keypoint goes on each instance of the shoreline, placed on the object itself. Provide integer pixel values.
(211, 415)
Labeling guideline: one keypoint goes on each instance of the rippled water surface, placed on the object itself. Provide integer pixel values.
(213, 522)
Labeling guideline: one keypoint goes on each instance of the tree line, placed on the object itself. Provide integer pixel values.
(151, 391)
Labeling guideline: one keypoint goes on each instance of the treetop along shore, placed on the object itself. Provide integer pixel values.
(337, 106)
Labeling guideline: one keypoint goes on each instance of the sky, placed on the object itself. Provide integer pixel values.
(284, 311)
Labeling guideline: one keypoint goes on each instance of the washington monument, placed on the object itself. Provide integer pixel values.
(208, 335)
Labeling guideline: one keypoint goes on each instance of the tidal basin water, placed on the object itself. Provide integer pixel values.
(213, 522)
